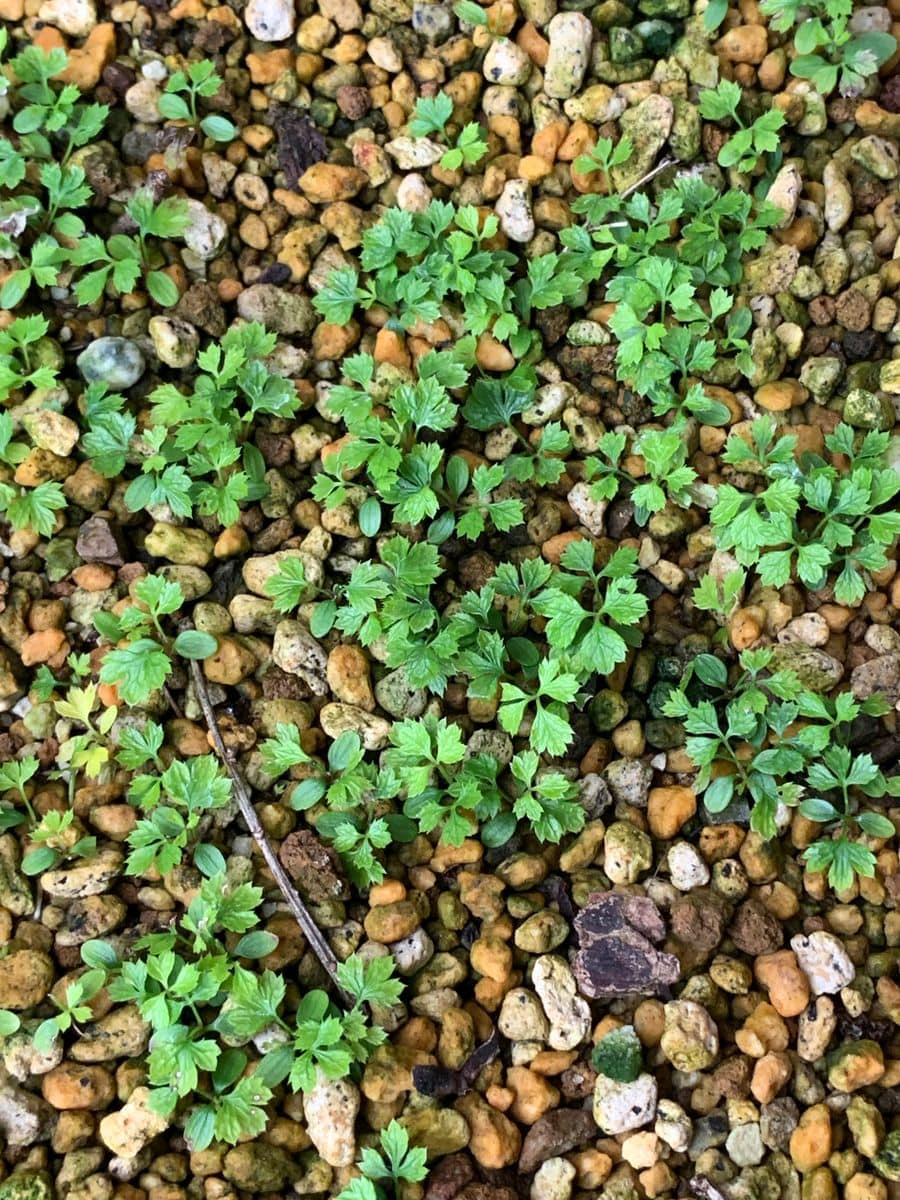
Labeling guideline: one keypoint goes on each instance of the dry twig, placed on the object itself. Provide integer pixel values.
(311, 931)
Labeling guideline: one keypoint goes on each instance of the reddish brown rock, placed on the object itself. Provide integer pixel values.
(617, 955)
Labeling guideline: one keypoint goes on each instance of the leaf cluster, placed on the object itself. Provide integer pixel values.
(179, 102)
(195, 451)
(762, 737)
(810, 517)
(749, 143)
(828, 53)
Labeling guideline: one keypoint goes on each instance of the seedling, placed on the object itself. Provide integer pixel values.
(828, 54)
(72, 1009)
(179, 101)
(382, 1170)
(743, 149)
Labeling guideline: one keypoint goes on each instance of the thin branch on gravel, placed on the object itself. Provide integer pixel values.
(662, 165)
(242, 794)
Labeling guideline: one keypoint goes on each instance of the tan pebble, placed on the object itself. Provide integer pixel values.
(492, 355)
(492, 958)
(811, 1141)
(76, 1086)
(348, 676)
(87, 63)
(386, 893)
(266, 68)
(500, 1098)
(786, 984)
(390, 347)
(668, 809)
(745, 628)
(770, 1075)
(781, 395)
(392, 922)
(579, 139)
(533, 1094)
(495, 1141)
(657, 1180)
(94, 577)
(230, 663)
(641, 1150)
(324, 182)
(47, 646)
(552, 549)
(865, 1187)
(231, 541)
(547, 141)
(763, 1032)
(534, 44)
(744, 44)
(331, 342)
(533, 168)
(553, 1062)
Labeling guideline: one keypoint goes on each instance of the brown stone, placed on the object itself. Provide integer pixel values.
(314, 867)
(554, 1134)
(616, 954)
(755, 930)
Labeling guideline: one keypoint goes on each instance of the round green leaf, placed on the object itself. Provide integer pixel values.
(457, 475)
(330, 823)
(209, 860)
(173, 108)
(523, 651)
(323, 618)
(107, 625)
(370, 517)
(220, 129)
(718, 795)
(441, 528)
(45, 1035)
(256, 944)
(14, 289)
(711, 670)
(194, 643)
(876, 825)
(200, 1126)
(275, 1066)
(162, 288)
(344, 750)
(229, 1068)
(90, 983)
(821, 810)
(95, 953)
(306, 794)
(498, 830)
(42, 859)
(402, 829)
(9, 1022)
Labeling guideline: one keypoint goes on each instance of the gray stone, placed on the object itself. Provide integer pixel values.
(205, 233)
(115, 361)
(817, 670)
(270, 20)
(514, 211)
(282, 311)
(621, 1107)
(570, 35)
